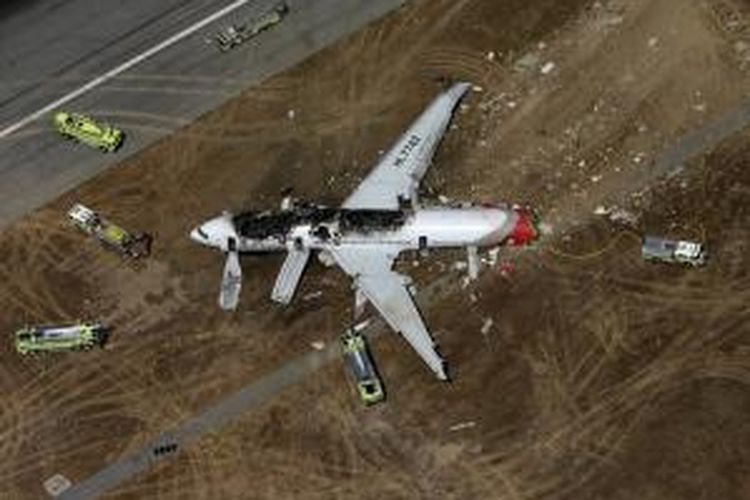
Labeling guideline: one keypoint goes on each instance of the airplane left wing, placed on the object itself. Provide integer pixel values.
(401, 169)
(370, 266)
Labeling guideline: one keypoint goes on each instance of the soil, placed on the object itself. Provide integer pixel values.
(602, 376)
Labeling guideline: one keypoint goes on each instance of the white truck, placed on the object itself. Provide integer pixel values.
(110, 235)
(236, 34)
(656, 248)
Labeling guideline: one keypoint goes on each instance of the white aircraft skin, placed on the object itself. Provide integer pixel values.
(375, 224)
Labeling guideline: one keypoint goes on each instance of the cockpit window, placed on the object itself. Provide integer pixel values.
(202, 233)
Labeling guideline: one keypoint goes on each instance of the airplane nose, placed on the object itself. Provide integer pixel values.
(195, 236)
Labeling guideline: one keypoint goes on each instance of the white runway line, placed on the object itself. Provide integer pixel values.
(122, 67)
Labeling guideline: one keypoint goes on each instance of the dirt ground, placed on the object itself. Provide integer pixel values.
(601, 376)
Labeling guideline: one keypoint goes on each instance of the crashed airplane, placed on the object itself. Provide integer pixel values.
(378, 221)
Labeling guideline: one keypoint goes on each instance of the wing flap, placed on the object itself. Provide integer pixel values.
(290, 275)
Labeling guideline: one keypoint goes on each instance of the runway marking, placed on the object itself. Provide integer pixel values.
(122, 67)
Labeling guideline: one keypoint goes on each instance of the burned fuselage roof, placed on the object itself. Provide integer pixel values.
(262, 225)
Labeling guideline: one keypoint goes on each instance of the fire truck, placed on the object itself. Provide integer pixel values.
(236, 34)
(110, 235)
(61, 337)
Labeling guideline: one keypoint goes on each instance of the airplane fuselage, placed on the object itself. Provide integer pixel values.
(317, 228)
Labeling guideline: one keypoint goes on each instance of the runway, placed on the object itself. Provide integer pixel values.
(69, 52)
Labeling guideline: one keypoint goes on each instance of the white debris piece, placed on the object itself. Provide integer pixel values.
(318, 345)
(653, 42)
(596, 178)
(291, 114)
(57, 484)
(477, 88)
(623, 216)
(512, 104)
(460, 265)
(545, 228)
(444, 199)
(492, 256)
(312, 295)
(548, 68)
(462, 425)
(491, 55)
(486, 326)
(601, 210)
(528, 62)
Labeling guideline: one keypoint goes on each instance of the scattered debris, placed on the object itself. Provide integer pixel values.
(548, 68)
(623, 216)
(601, 210)
(486, 326)
(312, 295)
(505, 268)
(291, 114)
(653, 42)
(528, 62)
(596, 178)
(492, 256)
(460, 265)
(463, 425)
(477, 88)
(491, 55)
(444, 199)
(318, 345)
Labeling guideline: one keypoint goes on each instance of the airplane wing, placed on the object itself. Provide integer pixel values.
(370, 266)
(400, 171)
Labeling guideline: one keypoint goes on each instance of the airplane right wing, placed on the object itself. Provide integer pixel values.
(370, 266)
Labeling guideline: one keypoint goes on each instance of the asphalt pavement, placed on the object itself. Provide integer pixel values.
(50, 49)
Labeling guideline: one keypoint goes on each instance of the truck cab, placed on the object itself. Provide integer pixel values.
(361, 366)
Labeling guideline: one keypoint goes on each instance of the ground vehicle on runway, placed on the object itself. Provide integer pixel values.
(656, 248)
(60, 337)
(110, 235)
(358, 359)
(82, 128)
(236, 34)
